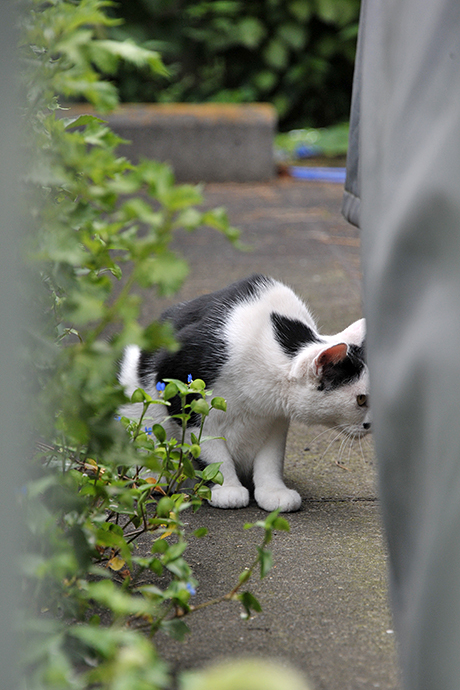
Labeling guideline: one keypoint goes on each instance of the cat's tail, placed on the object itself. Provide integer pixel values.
(129, 369)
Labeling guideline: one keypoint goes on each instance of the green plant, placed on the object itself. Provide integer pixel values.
(329, 142)
(297, 55)
(99, 227)
(85, 525)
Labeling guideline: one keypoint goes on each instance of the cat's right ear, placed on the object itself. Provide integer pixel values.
(305, 363)
(328, 357)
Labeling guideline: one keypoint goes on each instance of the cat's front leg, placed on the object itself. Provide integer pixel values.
(270, 490)
(231, 494)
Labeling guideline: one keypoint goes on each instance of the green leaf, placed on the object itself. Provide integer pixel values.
(107, 53)
(301, 9)
(250, 603)
(106, 593)
(153, 591)
(180, 197)
(159, 546)
(139, 396)
(265, 80)
(170, 391)
(219, 404)
(197, 385)
(281, 524)
(276, 54)
(156, 567)
(72, 122)
(181, 386)
(200, 406)
(195, 451)
(265, 560)
(200, 532)
(204, 492)
(244, 576)
(174, 552)
(165, 506)
(179, 568)
(175, 628)
(187, 467)
(251, 32)
(102, 639)
(294, 35)
(210, 472)
(166, 271)
(159, 432)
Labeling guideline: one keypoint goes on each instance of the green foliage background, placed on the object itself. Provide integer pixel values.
(296, 54)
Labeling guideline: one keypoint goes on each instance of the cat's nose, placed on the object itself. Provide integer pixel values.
(366, 425)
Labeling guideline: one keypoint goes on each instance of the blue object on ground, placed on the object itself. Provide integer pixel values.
(305, 151)
(319, 174)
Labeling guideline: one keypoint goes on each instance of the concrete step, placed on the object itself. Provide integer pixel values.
(205, 142)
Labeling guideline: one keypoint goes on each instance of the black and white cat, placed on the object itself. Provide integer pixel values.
(255, 344)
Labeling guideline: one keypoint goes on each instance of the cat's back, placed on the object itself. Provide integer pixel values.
(275, 315)
(215, 307)
(256, 312)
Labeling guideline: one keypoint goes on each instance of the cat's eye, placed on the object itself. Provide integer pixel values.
(361, 400)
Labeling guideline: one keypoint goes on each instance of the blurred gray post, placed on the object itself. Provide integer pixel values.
(10, 414)
(410, 220)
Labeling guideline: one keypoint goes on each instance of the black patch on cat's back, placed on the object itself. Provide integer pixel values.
(214, 307)
(292, 334)
(198, 327)
(344, 372)
(144, 365)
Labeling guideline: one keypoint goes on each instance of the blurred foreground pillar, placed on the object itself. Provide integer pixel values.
(11, 459)
(410, 220)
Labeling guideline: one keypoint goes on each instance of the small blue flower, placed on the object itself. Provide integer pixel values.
(117, 418)
(160, 386)
(189, 378)
(148, 430)
(190, 588)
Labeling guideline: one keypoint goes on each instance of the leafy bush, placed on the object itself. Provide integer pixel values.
(99, 227)
(297, 55)
(329, 142)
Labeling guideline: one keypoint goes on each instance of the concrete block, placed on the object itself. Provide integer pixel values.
(209, 142)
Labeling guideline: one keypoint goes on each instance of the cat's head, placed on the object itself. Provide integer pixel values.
(333, 379)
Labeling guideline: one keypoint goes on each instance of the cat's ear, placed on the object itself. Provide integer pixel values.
(303, 363)
(355, 333)
(328, 357)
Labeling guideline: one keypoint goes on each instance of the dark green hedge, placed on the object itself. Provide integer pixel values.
(296, 54)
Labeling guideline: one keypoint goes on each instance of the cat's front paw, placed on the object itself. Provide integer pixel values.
(287, 500)
(229, 497)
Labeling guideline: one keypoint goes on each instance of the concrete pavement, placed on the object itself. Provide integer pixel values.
(325, 608)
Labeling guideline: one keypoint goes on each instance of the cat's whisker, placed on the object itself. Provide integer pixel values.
(333, 440)
(351, 444)
(343, 447)
(342, 451)
(329, 430)
(360, 441)
(350, 449)
(350, 438)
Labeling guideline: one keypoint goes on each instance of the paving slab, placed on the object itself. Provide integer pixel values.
(325, 602)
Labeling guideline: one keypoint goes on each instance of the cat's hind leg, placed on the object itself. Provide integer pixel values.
(231, 494)
(270, 490)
